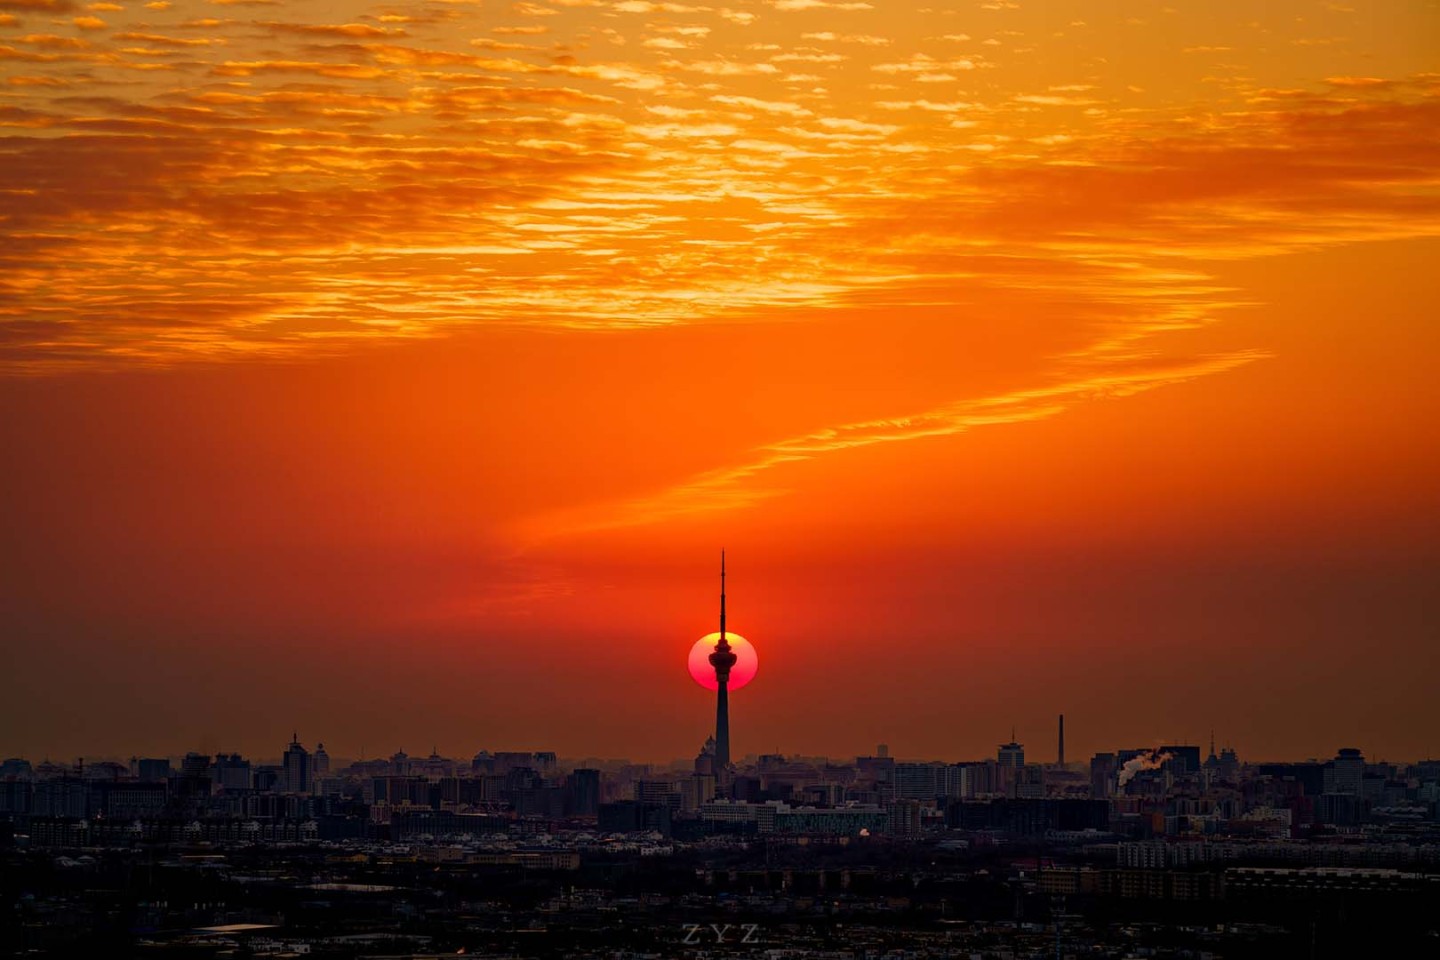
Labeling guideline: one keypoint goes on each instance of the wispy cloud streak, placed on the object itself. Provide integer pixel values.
(743, 485)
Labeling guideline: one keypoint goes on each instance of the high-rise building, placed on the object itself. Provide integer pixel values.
(705, 759)
(153, 769)
(904, 818)
(665, 792)
(630, 816)
(194, 782)
(1103, 772)
(19, 768)
(1228, 769)
(232, 772)
(319, 763)
(957, 780)
(920, 781)
(1030, 782)
(297, 767)
(1346, 773)
(697, 790)
(1009, 761)
(195, 766)
(60, 797)
(127, 800)
(1183, 758)
(585, 792)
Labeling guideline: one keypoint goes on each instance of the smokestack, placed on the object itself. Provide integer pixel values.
(1061, 755)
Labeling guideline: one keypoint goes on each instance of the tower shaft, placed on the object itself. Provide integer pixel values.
(722, 725)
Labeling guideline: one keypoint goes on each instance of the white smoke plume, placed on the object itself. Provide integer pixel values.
(1150, 761)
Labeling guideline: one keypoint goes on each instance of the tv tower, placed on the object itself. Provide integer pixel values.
(722, 660)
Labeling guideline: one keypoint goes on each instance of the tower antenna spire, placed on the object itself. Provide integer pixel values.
(722, 599)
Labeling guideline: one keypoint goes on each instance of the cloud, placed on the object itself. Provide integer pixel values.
(250, 68)
(347, 30)
(299, 159)
(165, 41)
(923, 63)
(791, 5)
(743, 485)
(768, 106)
(729, 68)
(863, 39)
(38, 6)
(645, 6)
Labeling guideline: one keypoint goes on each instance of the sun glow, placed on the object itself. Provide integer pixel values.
(746, 662)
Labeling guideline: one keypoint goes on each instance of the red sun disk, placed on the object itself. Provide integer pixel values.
(746, 661)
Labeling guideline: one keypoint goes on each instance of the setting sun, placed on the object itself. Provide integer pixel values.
(746, 662)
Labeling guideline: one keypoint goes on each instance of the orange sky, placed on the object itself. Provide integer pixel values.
(396, 372)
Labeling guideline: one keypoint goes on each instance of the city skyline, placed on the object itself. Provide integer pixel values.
(396, 370)
(1165, 846)
(1030, 753)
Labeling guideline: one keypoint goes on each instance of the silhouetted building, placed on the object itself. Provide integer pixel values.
(60, 797)
(1345, 773)
(1310, 776)
(269, 777)
(542, 800)
(584, 792)
(195, 766)
(1183, 759)
(904, 818)
(15, 767)
(319, 763)
(127, 800)
(1341, 809)
(193, 784)
(696, 790)
(297, 767)
(1103, 772)
(1030, 782)
(16, 795)
(151, 769)
(631, 816)
(1029, 818)
(921, 781)
(658, 792)
(875, 776)
(1009, 761)
(232, 772)
(705, 760)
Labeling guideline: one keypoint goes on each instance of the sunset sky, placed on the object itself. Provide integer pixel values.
(396, 372)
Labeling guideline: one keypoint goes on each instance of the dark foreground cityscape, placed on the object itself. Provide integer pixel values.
(1154, 852)
(1145, 852)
